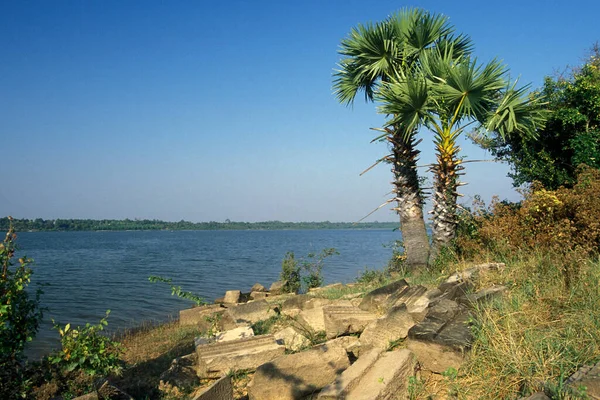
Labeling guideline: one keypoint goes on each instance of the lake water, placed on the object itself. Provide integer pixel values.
(90, 272)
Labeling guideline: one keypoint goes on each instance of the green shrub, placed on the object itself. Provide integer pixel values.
(87, 350)
(304, 273)
(290, 273)
(20, 316)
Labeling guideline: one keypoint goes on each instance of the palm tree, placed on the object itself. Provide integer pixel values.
(447, 94)
(373, 55)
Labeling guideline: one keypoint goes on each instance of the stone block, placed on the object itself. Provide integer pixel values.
(196, 315)
(277, 287)
(258, 295)
(340, 320)
(434, 357)
(312, 319)
(589, 377)
(387, 378)
(394, 325)
(295, 376)
(250, 313)
(242, 332)
(232, 297)
(481, 296)
(350, 378)
(257, 287)
(222, 389)
(292, 339)
(216, 359)
(376, 301)
(446, 323)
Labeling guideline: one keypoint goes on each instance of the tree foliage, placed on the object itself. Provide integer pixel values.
(571, 136)
(20, 316)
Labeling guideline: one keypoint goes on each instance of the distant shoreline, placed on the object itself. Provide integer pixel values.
(65, 225)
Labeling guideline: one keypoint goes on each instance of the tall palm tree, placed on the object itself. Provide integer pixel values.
(447, 94)
(373, 55)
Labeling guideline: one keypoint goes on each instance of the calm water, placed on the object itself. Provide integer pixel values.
(90, 272)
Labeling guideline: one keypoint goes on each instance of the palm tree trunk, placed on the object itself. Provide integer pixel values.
(444, 200)
(409, 198)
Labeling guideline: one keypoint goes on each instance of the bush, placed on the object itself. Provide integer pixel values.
(20, 316)
(177, 291)
(311, 265)
(87, 350)
(562, 223)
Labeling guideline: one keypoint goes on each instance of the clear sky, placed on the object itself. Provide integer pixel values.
(206, 110)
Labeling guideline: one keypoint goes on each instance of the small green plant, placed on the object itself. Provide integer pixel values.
(416, 388)
(87, 350)
(20, 316)
(312, 265)
(396, 266)
(290, 273)
(177, 291)
(214, 321)
(263, 327)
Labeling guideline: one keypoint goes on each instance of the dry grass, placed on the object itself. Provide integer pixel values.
(149, 352)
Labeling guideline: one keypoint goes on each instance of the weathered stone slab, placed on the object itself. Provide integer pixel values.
(295, 376)
(387, 378)
(258, 295)
(277, 287)
(222, 389)
(588, 377)
(232, 297)
(446, 323)
(350, 378)
(242, 332)
(257, 287)
(350, 344)
(312, 319)
(251, 312)
(536, 396)
(380, 332)
(340, 320)
(376, 300)
(90, 396)
(292, 339)
(215, 359)
(193, 316)
(434, 357)
(296, 302)
(482, 295)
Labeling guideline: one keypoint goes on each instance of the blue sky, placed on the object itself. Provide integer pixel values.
(206, 111)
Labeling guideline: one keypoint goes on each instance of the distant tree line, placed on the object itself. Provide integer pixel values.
(40, 224)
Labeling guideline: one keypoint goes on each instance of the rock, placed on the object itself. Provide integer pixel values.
(482, 296)
(292, 339)
(219, 300)
(350, 378)
(350, 344)
(294, 376)
(312, 319)
(232, 297)
(182, 372)
(434, 357)
(446, 323)
(375, 378)
(416, 298)
(222, 389)
(588, 377)
(216, 359)
(250, 313)
(296, 302)
(193, 316)
(351, 296)
(257, 287)
(380, 332)
(277, 287)
(376, 300)
(258, 295)
(242, 332)
(340, 320)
